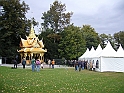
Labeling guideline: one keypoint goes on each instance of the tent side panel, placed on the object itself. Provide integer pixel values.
(112, 64)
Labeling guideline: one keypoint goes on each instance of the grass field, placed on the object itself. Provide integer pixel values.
(59, 80)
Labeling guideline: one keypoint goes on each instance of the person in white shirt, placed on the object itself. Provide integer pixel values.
(94, 66)
(42, 65)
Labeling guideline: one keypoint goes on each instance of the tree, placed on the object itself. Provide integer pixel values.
(13, 23)
(72, 43)
(119, 38)
(90, 36)
(111, 40)
(54, 21)
(56, 18)
(52, 48)
(103, 38)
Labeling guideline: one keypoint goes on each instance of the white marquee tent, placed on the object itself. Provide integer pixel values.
(98, 50)
(107, 59)
(84, 55)
(120, 52)
(87, 54)
(108, 51)
(92, 51)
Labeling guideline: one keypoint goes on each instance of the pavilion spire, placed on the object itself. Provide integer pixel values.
(32, 33)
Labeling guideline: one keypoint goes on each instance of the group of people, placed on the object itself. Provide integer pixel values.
(36, 64)
(78, 65)
(51, 63)
(14, 61)
(83, 65)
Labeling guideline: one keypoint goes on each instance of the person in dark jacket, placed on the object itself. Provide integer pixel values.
(76, 65)
(79, 65)
(23, 63)
(15, 63)
(82, 65)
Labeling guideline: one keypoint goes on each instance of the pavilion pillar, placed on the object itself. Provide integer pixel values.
(25, 55)
(31, 55)
(42, 57)
(21, 56)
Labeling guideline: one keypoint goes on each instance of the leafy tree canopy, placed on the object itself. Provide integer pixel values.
(119, 38)
(52, 48)
(90, 36)
(72, 44)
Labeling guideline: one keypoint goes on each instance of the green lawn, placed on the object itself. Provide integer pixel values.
(59, 80)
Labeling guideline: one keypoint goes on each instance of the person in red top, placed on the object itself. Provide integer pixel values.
(53, 63)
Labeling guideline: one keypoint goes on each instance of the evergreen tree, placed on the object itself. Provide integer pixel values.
(56, 18)
(54, 21)
(13, 24)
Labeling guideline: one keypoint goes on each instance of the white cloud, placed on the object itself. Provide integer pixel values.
(106, 16)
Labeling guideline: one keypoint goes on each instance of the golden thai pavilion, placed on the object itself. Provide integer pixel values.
(32, 47)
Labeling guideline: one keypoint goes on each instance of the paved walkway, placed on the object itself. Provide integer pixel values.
(45, 66)
(12, 65)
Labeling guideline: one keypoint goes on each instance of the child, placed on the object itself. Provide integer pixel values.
(42, 65)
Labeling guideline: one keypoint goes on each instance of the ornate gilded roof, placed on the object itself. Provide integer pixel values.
(33, 50)
(32, 44)
(32, 34)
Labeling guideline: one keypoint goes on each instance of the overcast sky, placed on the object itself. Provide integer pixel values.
(106, 16)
